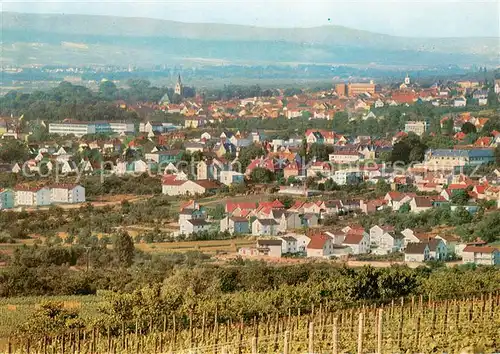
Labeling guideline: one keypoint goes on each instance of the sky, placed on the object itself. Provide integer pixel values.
(423, 18)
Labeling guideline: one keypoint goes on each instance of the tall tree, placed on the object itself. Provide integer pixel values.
(261, 175)
(123, 248)
(468, 128)
(13, 151)
(108, 90)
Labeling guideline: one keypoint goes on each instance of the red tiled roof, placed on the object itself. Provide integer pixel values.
(230, 207)
(423, 237)
(457, 186)
(274, 204)
(480, 189)
(353, 238)
(207, 184)
(297, 205)
(318, 241)
(480, 249)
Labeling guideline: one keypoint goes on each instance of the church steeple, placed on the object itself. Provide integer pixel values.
(179, 88)
(407, 79)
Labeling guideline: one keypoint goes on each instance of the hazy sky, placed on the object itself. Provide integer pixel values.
(423, 18)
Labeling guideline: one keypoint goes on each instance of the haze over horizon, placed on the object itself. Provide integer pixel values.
(444, 18)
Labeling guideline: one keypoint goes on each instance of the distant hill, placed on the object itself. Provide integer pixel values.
(44, 38)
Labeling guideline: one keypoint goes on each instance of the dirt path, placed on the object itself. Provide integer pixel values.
(106, 201)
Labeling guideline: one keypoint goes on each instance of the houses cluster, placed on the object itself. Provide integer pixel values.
(420, 247)
(380, 240)
(265, 218)
(350, 240)
(43, 195)
(193, 219)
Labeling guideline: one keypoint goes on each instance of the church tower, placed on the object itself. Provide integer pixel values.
(407, 80)
(179, 89)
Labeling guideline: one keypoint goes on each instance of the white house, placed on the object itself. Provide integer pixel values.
(320, 246)
(460, 102)
(267, 227)
(344, 177)
(437, 249)
(419, 204)
(67, 193)
(358, 242)
(175, 185)
(409, 236)
(416, 252)
(288, 244)
(337, 236)
(451, 243)
(481, 255)
(345, 157)
(231, 177)
(286, 220)
(38, 196)
(376, 233)
(234, 225)
(270, 248)
(302, 242)
(389, 242)
(195, 225)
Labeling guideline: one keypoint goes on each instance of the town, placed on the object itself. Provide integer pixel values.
(420, 150)
(242, 177)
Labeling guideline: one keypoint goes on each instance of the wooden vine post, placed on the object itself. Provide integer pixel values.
(360, 332)
(335, 336)
(286, 344)
(400, 329)
(379, 330)
(311, 338)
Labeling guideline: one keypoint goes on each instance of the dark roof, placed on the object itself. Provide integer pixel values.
(433, 243)
(462, 153)
(269, 242)
(333, 203)
(198, 222)
(168, 152)
(238, 219)
(415, 248)
(267, 221)
(279, 213)
(289, 238)
(423, 202)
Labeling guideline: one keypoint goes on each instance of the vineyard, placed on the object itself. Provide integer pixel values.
(414, 325)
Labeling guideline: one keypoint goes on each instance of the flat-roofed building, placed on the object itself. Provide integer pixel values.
(418, 128)
(359, 88)
(72, 127)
